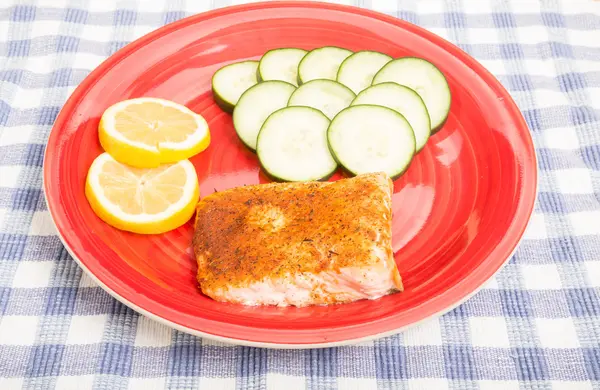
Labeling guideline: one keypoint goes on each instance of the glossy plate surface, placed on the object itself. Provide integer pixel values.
(459, 211)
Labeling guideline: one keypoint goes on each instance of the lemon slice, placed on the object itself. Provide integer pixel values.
(147, 132)
(142, 200)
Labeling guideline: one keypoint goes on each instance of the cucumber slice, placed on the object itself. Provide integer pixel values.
(229, 82)
(404, 100)
(292, 145)
(255, 105)
(425, 79)
(327, 96)
(368, 138)
(281, 64)
(321, 63)
(358, 70)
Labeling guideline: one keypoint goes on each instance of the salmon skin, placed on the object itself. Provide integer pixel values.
(299, 244)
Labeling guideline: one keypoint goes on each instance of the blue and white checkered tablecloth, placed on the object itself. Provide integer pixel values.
(536, 325)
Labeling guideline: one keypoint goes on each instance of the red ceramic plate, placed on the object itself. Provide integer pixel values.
(459, 211)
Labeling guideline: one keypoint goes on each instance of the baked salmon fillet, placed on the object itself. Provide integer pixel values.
(298, 244)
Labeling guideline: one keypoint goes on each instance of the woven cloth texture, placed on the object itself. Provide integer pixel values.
(536, 325)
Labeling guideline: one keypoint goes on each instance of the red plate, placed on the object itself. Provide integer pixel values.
(459, 211)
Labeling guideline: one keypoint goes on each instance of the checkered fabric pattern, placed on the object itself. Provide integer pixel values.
(536, 325)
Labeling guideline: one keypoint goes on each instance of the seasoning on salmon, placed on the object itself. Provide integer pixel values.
(298, 244)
